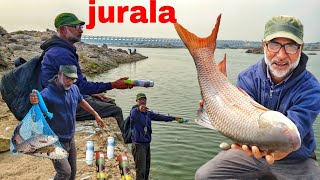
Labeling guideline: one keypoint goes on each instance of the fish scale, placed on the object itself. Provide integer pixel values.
(215, 108)
(213, 83)
(230, 111)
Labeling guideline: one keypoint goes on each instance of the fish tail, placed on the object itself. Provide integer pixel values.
(192, 41)
(16, 138)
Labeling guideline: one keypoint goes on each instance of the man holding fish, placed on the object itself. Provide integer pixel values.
(62, 98)
(279, 82)
(269, 115)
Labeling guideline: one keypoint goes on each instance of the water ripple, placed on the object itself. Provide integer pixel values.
(178, 150)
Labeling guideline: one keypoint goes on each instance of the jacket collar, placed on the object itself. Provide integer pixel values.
(57, 41)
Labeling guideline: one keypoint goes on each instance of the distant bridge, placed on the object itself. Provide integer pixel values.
(132, 41)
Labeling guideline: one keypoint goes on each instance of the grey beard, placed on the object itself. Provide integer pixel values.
(284, 73)
(60, 80)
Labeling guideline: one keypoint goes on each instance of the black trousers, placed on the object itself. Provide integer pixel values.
(141, 155)
(66, 168)
(105, 108)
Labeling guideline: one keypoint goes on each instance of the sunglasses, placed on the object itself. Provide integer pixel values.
(288, 48)
(78, 26)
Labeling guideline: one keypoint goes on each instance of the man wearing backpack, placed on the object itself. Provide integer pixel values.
(61, 51)
(140, 122)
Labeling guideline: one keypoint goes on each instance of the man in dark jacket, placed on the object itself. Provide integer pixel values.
(280, 82)
(60, 50)
(62, 98)
(140, 122)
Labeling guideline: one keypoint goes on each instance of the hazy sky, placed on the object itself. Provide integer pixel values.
(241, 19)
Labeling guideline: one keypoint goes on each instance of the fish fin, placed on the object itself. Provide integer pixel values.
(43, 141)
(243, 92)
(222, 65)
(192, 41)
(259, 106)
(205, 124)
(16, 137)
(254, 103)
(204, 119)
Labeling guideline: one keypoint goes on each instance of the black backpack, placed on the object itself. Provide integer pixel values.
(126, 131)
(17, 84)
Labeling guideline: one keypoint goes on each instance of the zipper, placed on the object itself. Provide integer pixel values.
(271, 92)
(145, 129)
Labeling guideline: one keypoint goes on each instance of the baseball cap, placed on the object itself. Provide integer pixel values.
(67, 18)
(141, 95)
(69, 70)
(284, 26)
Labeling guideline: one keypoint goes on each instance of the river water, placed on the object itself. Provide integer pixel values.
(178, 150)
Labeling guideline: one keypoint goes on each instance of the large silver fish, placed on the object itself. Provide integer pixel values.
(31, 144)
(229, 109)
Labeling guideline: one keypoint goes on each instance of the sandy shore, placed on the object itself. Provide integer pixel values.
(28, 167)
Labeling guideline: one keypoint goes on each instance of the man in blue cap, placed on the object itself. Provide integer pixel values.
(60, 50)
(280, 82)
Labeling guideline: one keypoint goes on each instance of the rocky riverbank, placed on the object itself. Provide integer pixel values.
(93, 60)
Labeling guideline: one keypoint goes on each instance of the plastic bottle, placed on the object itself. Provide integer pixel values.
(89, 152)
(182, 120)
(124, 167)
(110, 147)
(100, 163)
(142, 83)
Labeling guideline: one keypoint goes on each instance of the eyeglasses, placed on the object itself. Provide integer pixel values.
(288, 48)
(78, 26)
(70, 79)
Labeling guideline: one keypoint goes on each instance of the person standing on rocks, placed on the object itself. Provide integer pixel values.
(60, 50)
(140, 124)
(62, 98)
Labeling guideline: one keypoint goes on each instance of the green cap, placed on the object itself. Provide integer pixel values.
(284, 26)
(141, 95)
(67, 18)
(69, 70)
